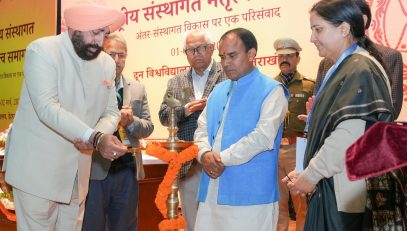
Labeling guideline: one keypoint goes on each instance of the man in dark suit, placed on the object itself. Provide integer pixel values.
(197, 82)
(392, 59)
(113, 188)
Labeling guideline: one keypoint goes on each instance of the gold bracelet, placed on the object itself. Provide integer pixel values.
(98, 141)
(95, 138)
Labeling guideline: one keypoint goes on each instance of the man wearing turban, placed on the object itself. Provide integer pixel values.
(67, 108)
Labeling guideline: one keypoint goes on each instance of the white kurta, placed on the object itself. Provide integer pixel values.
(212, 216)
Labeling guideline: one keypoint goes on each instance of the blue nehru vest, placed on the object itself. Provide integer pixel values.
(254, 182)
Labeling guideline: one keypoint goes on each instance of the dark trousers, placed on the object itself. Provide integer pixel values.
(112, 203)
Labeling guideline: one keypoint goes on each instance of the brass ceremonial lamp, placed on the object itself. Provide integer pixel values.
(174, 144)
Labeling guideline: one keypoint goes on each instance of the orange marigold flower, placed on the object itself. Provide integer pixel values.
(175, 161)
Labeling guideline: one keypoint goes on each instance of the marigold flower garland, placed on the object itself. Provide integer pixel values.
(9, 215)
(175, 161)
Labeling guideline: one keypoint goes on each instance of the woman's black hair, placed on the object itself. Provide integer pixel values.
(338, 11)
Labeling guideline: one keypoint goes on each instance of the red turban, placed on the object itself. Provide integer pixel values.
(87, 15)
(381, 149)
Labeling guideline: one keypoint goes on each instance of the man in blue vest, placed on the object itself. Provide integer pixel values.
(238, 136)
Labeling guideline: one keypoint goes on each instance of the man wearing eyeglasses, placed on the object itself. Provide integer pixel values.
(193, 86)
(113, 187)
(300, 89)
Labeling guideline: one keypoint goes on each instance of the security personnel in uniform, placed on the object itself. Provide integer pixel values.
(300, 89)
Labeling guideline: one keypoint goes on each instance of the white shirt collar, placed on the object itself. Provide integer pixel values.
(206, 71)
(199, 82)
(120, 83)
